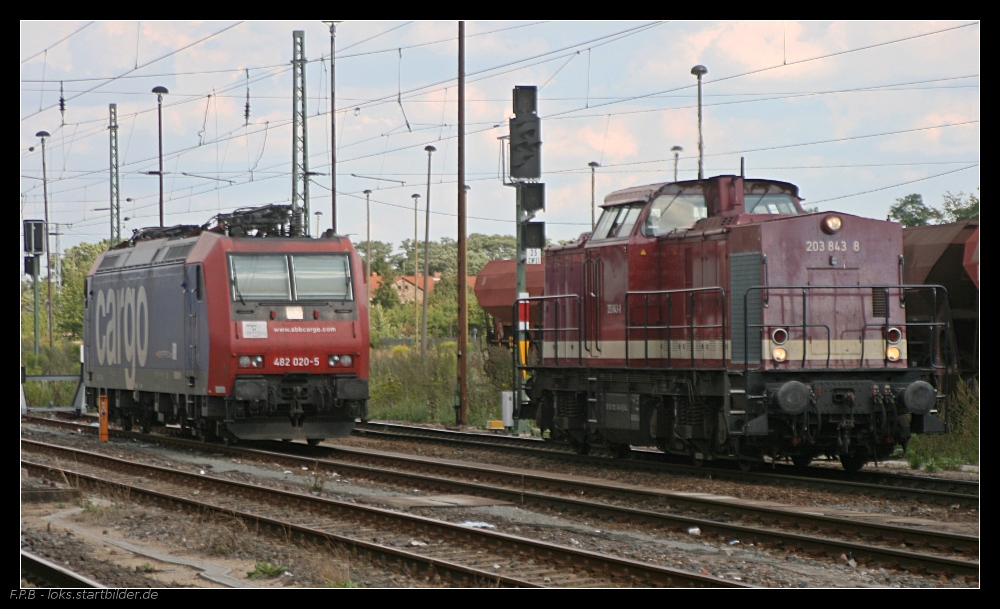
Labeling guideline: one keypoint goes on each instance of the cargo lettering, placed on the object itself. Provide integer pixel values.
(125, 315)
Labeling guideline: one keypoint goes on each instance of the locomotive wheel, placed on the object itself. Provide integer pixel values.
(314, 441)
(853, 462)
(620, 451)
(581, 448)
(747, 465)
(125, 422)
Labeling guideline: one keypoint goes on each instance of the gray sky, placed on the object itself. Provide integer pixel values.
(856, 113)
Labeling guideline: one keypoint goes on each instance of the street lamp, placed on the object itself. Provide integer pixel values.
(317, 214)
(427, 260)
(368, 256)
(160, 92)
(676, 150)
(700, 71)
(48, 260)
(416, 268)
(593, 167)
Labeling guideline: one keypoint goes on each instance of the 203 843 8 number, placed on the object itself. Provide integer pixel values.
(830, 246)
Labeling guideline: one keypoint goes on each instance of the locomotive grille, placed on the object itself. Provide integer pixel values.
(109, 261)
(745, 271)
(178, 251)
(880, 303)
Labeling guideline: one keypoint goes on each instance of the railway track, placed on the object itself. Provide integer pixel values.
(807, 530)
(875, 483)
(443, 551)
(43, 573)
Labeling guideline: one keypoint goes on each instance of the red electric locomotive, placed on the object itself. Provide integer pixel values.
(237, 330)
(715, 318)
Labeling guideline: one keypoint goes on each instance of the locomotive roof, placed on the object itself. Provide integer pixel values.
(174, 250)
(649, 191)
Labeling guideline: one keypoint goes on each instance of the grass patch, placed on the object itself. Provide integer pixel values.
(960, 445)
(265, 570)
(415, 389)
(145, 568)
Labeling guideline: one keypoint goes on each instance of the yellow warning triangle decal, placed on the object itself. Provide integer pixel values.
(642, 253)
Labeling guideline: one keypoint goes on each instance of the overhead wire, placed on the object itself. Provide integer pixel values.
(160, 58)
(58, 42)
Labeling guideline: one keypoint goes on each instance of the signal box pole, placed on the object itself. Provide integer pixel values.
(525, 170)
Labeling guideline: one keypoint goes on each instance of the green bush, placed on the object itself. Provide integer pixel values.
(264, 569)
(62, 358)
(961, 444)
(408, 387)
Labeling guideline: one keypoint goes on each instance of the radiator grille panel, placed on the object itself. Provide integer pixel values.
(746, 273)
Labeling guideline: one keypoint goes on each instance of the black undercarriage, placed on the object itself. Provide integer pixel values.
(722, 414)
(264, 407)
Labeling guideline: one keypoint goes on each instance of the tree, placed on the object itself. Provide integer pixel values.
(961, 207)
(381, 256)
(68, 301)
(385, 296)
(911, 211)
(483, 248)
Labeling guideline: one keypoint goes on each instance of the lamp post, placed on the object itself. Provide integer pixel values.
(48, 260)
(368, 255)
(160, 92)
(700, 71)
(416, 269)
(677, 151)
(427, 260)
(317, 214)
(593, 167)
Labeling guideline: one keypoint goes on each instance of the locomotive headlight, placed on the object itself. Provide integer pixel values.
(779, 336)
(346, 360)
(831, 224)
(251, 361)
(332, 360)
(779, 354)
(893, 335)
(892, 353)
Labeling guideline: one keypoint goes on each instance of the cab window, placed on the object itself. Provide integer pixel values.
(770, 204)
(674, 212)
(617, 222)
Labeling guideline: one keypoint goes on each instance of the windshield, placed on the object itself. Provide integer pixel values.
(770, 204)
(289, 277)
(673, 212)
(617, 222)
(322, 276)
(260, 277)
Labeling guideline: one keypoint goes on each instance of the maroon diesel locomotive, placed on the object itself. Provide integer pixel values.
(237, 330)
(717, 319)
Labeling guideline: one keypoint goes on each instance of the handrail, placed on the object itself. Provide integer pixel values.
(692, 293)
(939, 302)
(540, 331)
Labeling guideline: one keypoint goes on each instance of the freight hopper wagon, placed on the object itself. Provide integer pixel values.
(716, 319)
(240, 330)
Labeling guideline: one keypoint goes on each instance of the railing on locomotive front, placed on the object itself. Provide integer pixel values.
(536, 335)
(937, 359)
